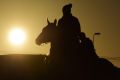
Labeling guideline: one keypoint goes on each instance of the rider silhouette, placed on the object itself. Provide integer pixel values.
(68, 23)
(87, 47)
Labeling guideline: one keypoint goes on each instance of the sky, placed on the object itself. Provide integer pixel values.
(31, 15)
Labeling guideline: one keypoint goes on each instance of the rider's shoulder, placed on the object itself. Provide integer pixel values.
(75, 18)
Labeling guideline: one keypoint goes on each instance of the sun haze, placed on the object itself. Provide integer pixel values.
(17, 36)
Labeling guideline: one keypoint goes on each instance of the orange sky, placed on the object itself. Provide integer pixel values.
(94, 15)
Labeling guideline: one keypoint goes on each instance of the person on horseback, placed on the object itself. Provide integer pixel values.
(87, 47)
(68, 23)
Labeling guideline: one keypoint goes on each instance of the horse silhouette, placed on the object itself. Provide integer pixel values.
(64, 51)
(61, 45)
(50, 33)
(72, 59)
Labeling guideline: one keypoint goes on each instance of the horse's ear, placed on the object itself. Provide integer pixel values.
(48, 21)
(55, 21)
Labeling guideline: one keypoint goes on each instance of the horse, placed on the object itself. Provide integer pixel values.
(61, 44)
(63, 57)
(66, 59)
(50, 34)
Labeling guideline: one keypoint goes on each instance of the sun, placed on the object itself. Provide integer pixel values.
(17, 36)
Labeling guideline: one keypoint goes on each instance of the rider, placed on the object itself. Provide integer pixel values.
(68, 23)
(87, 47)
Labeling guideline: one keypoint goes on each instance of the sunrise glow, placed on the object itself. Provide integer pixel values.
(17, 36)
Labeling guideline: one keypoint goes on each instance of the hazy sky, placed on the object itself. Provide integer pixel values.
(94, 15)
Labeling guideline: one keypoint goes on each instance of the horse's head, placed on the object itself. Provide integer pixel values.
(48, 33)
